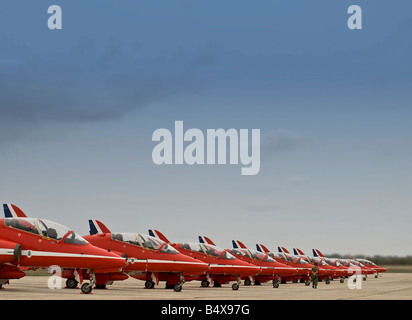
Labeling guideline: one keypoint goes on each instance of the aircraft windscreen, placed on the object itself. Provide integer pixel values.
(169, 249)
(212, 250)
(25, 224)
(143, 241)
(41, 227)
(239, 252)
(192, 247)
(149, 242)
(52, 229)
(228, 256)
(260, 256)
(206, 249)
(74, 238)
(126, 237)
(285, 257)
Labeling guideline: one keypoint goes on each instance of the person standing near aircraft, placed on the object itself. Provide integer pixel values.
(315, 276)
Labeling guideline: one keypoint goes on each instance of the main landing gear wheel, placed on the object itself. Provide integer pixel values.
(177, 287)
(71, 283)
(248, 282)
(342, 280)
(327, 281)
(307, 283)
(235, 286)
(205, 283)
(86, 288)
(276, 283)
(149, 284)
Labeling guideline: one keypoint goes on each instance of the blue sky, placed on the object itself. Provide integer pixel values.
(79, 105)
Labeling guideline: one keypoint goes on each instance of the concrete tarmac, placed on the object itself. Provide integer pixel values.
(390, 286)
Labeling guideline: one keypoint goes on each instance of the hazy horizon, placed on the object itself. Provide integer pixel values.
(78, 108)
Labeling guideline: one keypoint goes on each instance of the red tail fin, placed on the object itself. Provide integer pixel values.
(204, 239)
(284, 250)
(238, 244)
(298, 252)
(317, 253)
(262, 248)
(158, 234)
(10, 210)
(97, 227)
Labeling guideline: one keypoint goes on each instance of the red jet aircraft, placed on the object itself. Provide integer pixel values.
(224, 267)
(303, 267)
(39, 243)
(271, 269)
(149, 259)
(334, 270)
(372, 265)
(350, 264)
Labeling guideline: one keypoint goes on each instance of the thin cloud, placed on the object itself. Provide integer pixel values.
(280, 141)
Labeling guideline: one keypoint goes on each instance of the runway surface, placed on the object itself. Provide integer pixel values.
(394, 286)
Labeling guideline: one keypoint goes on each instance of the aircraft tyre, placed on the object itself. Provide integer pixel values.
(327, 281)
(276, 283)
(86, 288)
(149, 284)
(235, 286)
(177, 287)
(205, 283)
(342, 280)
(307, 283)
(71, 283)
(248, 282)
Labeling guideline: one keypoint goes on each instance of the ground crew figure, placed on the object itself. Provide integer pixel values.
(315, 276)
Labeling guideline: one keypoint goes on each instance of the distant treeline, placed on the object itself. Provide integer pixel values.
(379, 260)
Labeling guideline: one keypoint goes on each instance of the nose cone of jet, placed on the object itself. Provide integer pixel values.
(103, 259)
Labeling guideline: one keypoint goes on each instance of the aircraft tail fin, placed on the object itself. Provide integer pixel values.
(298, 252)
(237, 244)
(262, 248)
(97, 227)
(10, 211)
(204, 239)
(317, 253)
(159, 235)
(283, 250)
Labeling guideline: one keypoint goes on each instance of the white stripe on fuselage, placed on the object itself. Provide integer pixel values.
(33, 253)
(6, 251)
(136, 260)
